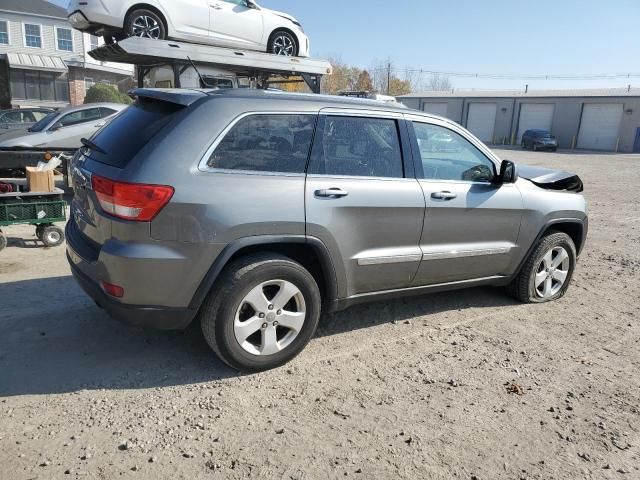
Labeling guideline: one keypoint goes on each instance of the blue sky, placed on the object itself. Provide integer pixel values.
(479, 36)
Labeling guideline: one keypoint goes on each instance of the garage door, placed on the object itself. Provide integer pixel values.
(436, 108)
(535, 116)
(481, 120)
(600, 126)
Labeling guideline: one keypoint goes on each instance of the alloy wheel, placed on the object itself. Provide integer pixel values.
(283, 45)
(552, 272)
(146, 26)
(269, 318)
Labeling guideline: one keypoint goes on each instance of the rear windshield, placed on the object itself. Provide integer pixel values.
(127, 133)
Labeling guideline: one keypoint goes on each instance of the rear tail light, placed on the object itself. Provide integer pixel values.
(131, 201)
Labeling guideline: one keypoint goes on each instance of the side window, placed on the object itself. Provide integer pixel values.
(13, 117)
(447, 155)
(82, 116)
(358, 146)
(39, 115)
(105, 112)
(266, 143)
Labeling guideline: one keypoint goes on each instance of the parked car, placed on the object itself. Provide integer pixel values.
(21, 117)
(64, 128)
(286, 205)
(226, 23)
(539, 140)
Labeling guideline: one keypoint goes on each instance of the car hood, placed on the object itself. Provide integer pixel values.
(279, 14)
(551, 179)
(17, 138)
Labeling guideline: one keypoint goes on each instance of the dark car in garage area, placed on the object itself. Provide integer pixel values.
(539, 140)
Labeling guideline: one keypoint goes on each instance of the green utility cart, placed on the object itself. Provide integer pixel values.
(34, 208)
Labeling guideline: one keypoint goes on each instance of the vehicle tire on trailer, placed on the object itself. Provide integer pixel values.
(3, 241)
(283, 43)
(145, 23)
(52, 236)
(261, 313)
(547, 273)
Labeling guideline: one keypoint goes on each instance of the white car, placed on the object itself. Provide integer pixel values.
(226, 23)
(63, 129)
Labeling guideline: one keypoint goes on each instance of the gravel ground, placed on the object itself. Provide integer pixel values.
(456, 385)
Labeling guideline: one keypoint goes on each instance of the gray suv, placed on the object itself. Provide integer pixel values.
(253, 211)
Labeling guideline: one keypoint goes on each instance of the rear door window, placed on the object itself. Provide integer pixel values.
(79, 117)
(266, 143)
(359, 147)
(131, 130)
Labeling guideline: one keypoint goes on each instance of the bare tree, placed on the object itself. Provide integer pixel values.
(439, 83)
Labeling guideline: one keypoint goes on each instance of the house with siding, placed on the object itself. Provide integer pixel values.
(44, 62)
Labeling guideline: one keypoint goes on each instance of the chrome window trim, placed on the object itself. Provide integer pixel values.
(355, 112)
(202, 164)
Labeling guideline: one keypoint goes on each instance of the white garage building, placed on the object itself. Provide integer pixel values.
(607, 119)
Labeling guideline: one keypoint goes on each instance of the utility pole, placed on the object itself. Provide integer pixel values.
(389, 78)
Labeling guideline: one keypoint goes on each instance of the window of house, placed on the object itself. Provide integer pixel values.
(93, 42)
(4, 32)
(266, 143)
(65, 39)
(447, 155)
(358, 146)
(32, 35)
(35, 85)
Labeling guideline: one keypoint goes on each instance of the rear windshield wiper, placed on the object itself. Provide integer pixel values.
(92, 146)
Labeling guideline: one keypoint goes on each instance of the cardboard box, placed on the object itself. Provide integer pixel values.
(40, 181)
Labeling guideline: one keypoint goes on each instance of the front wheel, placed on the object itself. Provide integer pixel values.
(145, 23)
(283, 43)
(261, 312)
(547, 273)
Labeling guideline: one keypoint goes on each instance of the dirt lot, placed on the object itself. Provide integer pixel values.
(405, 389)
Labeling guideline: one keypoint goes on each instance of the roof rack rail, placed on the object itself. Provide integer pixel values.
(146, 53)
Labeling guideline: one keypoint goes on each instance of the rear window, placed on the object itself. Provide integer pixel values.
(132, 129)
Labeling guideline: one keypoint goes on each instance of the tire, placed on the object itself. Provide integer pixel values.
(226, 311)
(524, 145)
(52, 236)
(526, 287)
(3, 241)
(145, 23)
(283, 43)
(39, 231)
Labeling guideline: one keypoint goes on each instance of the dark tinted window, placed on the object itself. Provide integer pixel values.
(446, 155)
(358, 146)
(129, 131)
(266, 143)
(81, 116)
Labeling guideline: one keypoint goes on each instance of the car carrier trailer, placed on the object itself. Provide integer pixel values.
(261, 70)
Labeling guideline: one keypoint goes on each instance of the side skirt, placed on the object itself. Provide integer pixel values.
(344, 303)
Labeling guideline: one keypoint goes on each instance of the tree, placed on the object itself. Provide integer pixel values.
(344, 78)
(102, 92)
(439, 83)
(399, 87)
(365, 82)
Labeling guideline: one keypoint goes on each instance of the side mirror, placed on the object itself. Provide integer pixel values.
(508, 172)
(250, 4)
(55, 128)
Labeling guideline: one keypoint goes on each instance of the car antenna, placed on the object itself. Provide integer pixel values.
(202, 83)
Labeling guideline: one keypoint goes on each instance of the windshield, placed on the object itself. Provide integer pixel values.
(40, 125)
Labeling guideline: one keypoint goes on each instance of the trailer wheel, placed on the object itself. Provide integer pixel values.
(39, 230)
(3, 241)
(52, 236)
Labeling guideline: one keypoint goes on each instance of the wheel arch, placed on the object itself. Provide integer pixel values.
(310, 252)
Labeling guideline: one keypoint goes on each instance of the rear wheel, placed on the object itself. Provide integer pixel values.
(547, 273)
(261, 313)
(283, 43)
(145, 23)
(52, 236)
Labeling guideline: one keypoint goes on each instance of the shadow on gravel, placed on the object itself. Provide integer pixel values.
(53, 339)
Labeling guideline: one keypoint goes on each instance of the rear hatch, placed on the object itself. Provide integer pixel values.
(106, 157)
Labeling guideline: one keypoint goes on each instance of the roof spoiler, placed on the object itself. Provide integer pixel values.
(182, 97)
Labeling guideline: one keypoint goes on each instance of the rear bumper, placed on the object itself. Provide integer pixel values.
(147, 316)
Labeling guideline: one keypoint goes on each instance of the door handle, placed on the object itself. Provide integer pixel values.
(443, 195)
(331, 193)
